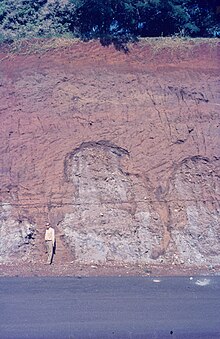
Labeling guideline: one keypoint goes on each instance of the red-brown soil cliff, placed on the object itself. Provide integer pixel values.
(119, 151)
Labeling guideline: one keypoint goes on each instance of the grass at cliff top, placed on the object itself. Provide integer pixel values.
(43, 45)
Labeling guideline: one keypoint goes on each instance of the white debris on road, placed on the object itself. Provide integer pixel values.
(202, 282)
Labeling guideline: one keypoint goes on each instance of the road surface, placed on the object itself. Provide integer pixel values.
(110, 307)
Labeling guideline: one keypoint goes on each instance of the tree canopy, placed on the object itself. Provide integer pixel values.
(109, 18)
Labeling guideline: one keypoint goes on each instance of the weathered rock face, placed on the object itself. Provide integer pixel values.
(17, 236)
(119, 151)
(111, 219)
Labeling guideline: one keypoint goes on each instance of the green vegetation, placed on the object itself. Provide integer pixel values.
(109, 20)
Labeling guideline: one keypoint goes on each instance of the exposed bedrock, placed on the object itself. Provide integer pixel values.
(112, 215)
(120, 152)
(117, 217)
(194, 210)
(16, 236)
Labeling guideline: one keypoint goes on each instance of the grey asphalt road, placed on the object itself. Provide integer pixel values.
(110, 307)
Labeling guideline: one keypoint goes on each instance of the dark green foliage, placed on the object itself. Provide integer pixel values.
(145, 17)
(112, 21)
(28, 18)
(94, 16)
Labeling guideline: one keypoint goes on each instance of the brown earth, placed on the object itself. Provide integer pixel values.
(119, 151)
